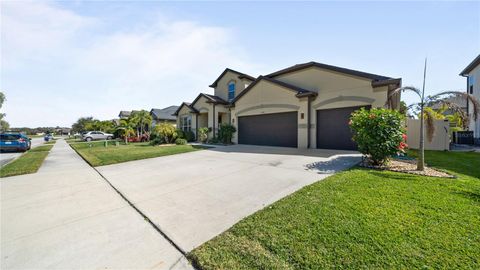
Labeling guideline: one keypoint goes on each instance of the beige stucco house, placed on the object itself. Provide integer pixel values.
(305, 106)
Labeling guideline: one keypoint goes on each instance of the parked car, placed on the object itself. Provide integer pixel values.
(96, 135)
(14, 141)
(48, 137)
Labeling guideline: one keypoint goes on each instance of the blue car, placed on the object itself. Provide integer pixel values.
(14, 141)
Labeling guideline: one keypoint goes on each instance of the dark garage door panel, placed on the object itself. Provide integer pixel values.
(333, 131)
(276, 129)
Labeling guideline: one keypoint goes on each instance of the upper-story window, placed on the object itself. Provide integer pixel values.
(231, 91)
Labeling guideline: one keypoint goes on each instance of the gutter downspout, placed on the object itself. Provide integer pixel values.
(213, 128)
(308, 121)
(196, 126)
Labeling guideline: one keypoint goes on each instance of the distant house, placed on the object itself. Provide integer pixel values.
(63, 130)
(125, 114)
(461, 102)
(164, 115)
(472, 73)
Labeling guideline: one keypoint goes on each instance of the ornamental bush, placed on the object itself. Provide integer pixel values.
(379, 133)
(225, 133)
(165, 132)
(203, 134)
(180, 141)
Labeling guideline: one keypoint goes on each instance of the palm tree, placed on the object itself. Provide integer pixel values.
(443, 102)
(125, 129)
(141, 120)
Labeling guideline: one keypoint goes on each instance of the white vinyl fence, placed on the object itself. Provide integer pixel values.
(441, 136)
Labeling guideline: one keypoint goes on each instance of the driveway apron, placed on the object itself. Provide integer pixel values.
(67, 216)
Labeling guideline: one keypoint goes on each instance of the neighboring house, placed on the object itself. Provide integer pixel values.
(461, 102)
(305, 106)
(125, 114)
(472, 73)
(63, 130)
(164, 115)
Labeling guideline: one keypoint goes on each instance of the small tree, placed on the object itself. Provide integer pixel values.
(379, 133)
(225, 133)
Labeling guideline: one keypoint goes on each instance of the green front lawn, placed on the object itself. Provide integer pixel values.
(98, 155)
(28, 162)
(362, 219)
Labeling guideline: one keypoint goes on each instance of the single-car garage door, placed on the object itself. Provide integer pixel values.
(333, 131)
(276, 129)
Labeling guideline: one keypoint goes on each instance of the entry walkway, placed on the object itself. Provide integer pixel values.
(67, 217)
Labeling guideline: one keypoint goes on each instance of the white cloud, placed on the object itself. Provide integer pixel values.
(77, 71)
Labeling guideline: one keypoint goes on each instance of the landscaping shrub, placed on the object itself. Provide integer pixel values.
(189, 136)
(180, 134)
(165, 132)
(203, 134)
(155, 141)
(225, 133)
(180, 141)
(378, 132)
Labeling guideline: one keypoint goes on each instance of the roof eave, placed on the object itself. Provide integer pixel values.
(397, 81)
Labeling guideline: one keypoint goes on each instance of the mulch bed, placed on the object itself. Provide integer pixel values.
(406, 166)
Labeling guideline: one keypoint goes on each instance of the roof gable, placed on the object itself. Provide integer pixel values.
(352, 72)
(210, 99)
(300, 92)
(241, 76)
(188, 105)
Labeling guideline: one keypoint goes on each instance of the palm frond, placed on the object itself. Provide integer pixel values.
(470, 98)
(430, 124)
(402, 89)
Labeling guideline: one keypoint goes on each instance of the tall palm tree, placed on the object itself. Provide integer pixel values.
(442, 101)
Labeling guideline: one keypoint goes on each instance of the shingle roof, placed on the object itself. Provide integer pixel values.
(124, 113)
(471, 66)
(165, 113)
(357, 73)
(241, 76)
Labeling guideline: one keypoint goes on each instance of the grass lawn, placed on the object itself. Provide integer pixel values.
(28, 162)
(362, 219)
(97, 155)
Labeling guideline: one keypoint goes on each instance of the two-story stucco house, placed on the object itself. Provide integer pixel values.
(472, 72)
(305, 106)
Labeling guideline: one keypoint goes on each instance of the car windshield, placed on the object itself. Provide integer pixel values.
(9, 137)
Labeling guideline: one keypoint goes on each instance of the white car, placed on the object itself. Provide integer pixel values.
(96, 135)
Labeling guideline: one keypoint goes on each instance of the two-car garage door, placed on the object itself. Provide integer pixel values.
(281, 129)
(276, 129)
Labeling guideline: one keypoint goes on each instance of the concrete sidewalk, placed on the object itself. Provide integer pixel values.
(67, 217)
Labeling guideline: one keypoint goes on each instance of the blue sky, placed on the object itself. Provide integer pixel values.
(64, 60)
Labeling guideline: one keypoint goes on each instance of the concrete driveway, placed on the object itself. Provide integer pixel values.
(9, 156)
(195, 196)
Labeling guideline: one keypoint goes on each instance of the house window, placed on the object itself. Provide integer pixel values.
(186, 123)
(471, 89)
(231, 91)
